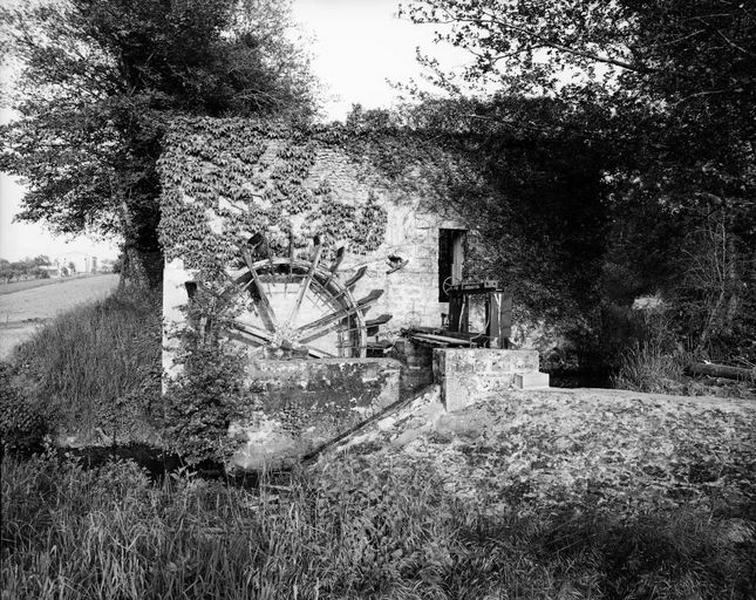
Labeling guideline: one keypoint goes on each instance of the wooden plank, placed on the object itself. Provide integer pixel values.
(379, 320)
(459, 335)
(441, 338)
(356, 277)
(379, 345)
(433, 343)
(370, 298)
(476, 287)
(372, 326)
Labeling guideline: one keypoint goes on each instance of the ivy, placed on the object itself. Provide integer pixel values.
(202, 401)
(226, 179)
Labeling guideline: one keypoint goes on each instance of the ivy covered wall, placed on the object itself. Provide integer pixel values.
(227, 179)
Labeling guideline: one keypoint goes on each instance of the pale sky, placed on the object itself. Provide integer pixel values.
(356, 46)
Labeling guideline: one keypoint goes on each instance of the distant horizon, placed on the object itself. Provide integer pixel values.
(53, 257)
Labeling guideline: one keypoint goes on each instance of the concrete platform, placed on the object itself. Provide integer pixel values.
(468, 374)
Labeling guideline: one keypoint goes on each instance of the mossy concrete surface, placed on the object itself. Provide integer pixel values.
(605, 449)
(299, 404)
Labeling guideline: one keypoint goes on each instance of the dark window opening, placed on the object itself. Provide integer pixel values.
(451, 243)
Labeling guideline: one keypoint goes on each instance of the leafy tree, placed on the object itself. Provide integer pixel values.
(667, 90)
(98, 79)
(25, 268)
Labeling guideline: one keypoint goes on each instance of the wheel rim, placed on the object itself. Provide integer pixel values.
(298, 310)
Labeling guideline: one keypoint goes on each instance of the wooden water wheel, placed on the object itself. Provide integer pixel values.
(299, 307)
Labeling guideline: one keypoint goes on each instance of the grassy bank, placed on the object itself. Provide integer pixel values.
(95, 370)
(349, 529)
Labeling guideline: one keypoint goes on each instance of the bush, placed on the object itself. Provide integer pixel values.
(203, 399)
(97, 369)
(650, 367)
(22, 427)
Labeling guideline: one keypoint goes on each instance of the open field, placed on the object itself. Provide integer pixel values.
(18, 286)
(23, 311)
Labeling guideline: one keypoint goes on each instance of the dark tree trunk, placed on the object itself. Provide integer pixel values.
(142, 269)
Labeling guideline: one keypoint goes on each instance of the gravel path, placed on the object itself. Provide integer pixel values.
(22, 312)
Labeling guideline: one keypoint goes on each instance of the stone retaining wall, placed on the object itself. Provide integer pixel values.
(297, 405)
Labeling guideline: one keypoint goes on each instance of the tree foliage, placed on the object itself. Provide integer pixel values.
(666, 91)
(97, 79)
(26, 268)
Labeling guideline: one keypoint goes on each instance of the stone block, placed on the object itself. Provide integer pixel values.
(297, 405)
(531, 381)
(467, 375)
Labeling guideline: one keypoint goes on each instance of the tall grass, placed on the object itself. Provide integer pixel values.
(96, 367)
(352, 529)
(649, 366)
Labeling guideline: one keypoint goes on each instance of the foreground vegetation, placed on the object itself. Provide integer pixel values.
(386, 524)
(93, 371)
(346, 529)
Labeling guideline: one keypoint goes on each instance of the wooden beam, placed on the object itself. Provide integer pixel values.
(476, 287)
(305, 284)
(356, 277)
(725, 371)
(267, 314)
(329, 323)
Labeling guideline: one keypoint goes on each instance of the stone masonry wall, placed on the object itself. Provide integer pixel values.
(412, 233)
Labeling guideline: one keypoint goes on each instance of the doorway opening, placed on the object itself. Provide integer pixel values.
(451, 254)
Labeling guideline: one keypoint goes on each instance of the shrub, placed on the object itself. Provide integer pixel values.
(649, 367)
(203, 399)
(22, 427)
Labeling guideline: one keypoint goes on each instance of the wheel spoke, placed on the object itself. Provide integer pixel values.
(265, 310)
(305, 284)
(338, 259)
(325, 330)
(250, 334)
(316, 353)
(341, 313)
